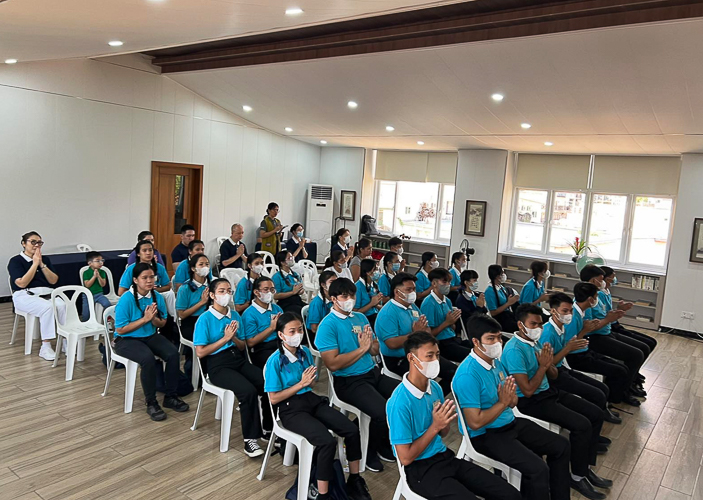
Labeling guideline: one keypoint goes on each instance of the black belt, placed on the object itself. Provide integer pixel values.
(46, 297)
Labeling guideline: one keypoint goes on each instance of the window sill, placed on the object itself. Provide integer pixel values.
(567, 260)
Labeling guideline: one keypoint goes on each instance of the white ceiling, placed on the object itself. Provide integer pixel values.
(632, 90)
(56, 29)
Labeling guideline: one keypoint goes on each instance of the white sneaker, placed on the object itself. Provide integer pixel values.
(46, 352)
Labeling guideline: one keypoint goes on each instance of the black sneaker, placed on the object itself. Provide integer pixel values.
(266, 436)
(175, 404)
(373, 463)
(154, 411)
(585, 489)
(252, 448)
(357, 489)
(386, 455)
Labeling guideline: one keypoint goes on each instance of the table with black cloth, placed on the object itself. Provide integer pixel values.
(68, 265)
(310, 248)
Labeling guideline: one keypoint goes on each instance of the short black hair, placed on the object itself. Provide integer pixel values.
(271, 206)
(92, 255)
(558, 298)
(342, 286)
(468, 275)
(456, 256)
(395, 241)
(187, 227)
(192, 244)
(537, 267)
(584, 291)
(609, 271)
(524, 310)
(417, 340)
(439, 274)
(589, 272)
(479, 324)
(399, 279)
(142, 235)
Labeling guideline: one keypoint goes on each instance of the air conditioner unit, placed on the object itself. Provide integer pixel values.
(318, 226)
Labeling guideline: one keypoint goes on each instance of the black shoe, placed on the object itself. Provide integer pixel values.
(637, 392)
(610, 416)
(252, 448)
(601, 449)
(266, 436)
(597, 481)
(154, 411)
(585, 489)
(386, 455)
(612, 410)
(373, 463)
(604, 440)
(628, 399)
(640, 378)
(357, 489)
(175, 404)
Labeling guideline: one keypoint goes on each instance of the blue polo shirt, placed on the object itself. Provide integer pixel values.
(187, 297)
(127, 312)
(599, 312)
(476, 386)
(490, 293)
(317, 311)
(285, 283)
(364, 294)
(456, 276)
(409, 413)
(423, 282)
(182, 275)
(573, 328)
(531, 291)
(285, 370)
(242, 294)
(553, 336)
(211, 325)
(255, 320)
(395, 320)
(162, 278)
(436, 312)
(340, 332)
(519, 356)
(384, 285)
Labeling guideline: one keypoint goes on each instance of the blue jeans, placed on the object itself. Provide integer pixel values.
(98, 298)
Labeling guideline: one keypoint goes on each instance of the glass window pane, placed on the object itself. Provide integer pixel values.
(530, 218)
(650, 230)
(386, 202)
(445, 225)
(607, 224)
(567, 220)
(416, 211)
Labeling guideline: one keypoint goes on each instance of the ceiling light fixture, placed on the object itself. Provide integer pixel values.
(323, 141)
(10, 61)
(497, 97)
(115, 43)
(294, 11)
(246, 108)
(288, 129)
(389, 128)
(352, 105)
(420, 143)
(549, 143)
(525, 125)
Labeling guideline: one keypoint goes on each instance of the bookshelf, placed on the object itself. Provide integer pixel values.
(413, 250)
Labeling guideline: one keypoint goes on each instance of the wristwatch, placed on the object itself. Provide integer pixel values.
(43, 266)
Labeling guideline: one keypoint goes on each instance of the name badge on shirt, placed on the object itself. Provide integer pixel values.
(356, 329)
(501, 376)
(416, 314)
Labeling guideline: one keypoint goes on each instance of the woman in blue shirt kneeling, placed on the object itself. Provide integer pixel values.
(290, 374)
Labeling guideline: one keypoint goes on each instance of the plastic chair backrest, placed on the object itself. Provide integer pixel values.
(234, 276)
(220, 241)
(269, 263)
(304, 314)
(82, 247)
(308, 267)
(108, 273)
(460, 416)
(109, 328)
(72, 317)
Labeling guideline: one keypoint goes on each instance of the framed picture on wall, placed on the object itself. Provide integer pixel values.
(697, 241)
(347, 205)
(475, 223)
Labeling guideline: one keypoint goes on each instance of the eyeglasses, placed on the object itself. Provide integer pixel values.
(36, 243)
(265, 290)
(98, 261)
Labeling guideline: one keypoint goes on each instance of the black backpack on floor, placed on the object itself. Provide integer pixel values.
(338, 485)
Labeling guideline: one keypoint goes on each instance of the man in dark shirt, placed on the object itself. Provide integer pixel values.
(233, 252)
(180, 252)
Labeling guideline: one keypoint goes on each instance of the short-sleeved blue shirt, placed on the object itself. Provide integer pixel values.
(285, 284)
(456, 276)
(242, 294)
(255, 320)
(395, 320)
(409, 413)
(341, 333)
(162, 278)
(476, 386)
(436, 313)
(363, 296)
(319, 308)
(211, 325)
(552, 336)
(490, 293)
(127, 312)
(521, 357)
(384, 285)
(182, 275)
(531, 291)
(599, 312)
(423, 282)
(188, 297)
(573, 328)
(280, 373)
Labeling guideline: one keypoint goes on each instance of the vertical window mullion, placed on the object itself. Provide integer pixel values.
(627, 237)
(547, 233)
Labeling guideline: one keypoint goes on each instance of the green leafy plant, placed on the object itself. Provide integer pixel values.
(579, 245)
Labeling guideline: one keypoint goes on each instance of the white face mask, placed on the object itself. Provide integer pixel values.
(532, 333)
(474, 286)
(434, 264)
(290, 263)
(602, 285)
(346, 305)
(596, 303)
(503, 278)
(430, 369)
(493, 351)
(258, 269)
(445, 289)
(565, 319)
(223, 300)
(343, 265)
(266, 297)
(202, 271)
(293, 340)
(347, 240)
(400, 251)
(547, 274)
(411, 297)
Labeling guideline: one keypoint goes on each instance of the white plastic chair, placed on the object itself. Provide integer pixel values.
(31, 327)
(542, 423)
(221, 240)
(596, 376)
(112, 358)
(315, 353)
(464, 335)
(234, 276)
(403, 489)
(363, 418)
(466, 450)
(82, 247)
(384, 369)
(311, 284)
(73, 330)
(270, 267)
(111, 295)
(223, 411)
(195, 375)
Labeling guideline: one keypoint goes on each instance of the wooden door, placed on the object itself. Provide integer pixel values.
(176, 199)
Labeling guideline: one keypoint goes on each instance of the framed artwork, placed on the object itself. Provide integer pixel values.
(475, 222)
(347, 205)
(697, 241)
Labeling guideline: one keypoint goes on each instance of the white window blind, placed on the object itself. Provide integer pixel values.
(413, 166)
(553, 171)
(643, 175)
(441, 167)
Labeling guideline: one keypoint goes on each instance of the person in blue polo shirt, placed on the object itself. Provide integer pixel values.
(145, 254)
(182, 274)
(530, 363)
(288, 283)
(368, 296)
(321, 305)
(419, 417)
(486, 395)
(423, 285)
(442, 317)
(139, 312)
(192, 301)
(259, 322)
(459, 263)
(347, 345)
(533, 291)
(391, 267)
(289, 376)
(221, 356)
(399, 318)
(501, 299)
(242, 296)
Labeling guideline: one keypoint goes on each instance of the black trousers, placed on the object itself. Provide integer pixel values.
(369, 393)
(633, 342)
(521, 445)
(584, 421)
(447, 369)
(260, 353)
(608, 345)
(230, 370)
(311, 416)
(142, 350)
(576, 383)
(617, 377)
(187, 329)
(647, 339)
(445, 477)
(454, 349)
(292, 304)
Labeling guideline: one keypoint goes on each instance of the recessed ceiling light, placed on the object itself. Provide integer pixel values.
(323, 141)
(525, 125)
(497, 97)
(352, 105)
(288, 129)
(246, 108)
(549, 143)
(10, 61)
(420, 143)
(294, 11)
(115, 43)
(389, 128)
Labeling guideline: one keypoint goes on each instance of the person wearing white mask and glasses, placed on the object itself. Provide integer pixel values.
(259, 322)
(221, 354)
(242, 297)
(290, 374)
(428, 263)
(470, 300)
(348, 347)
(296, 243)
(531, 363)
(533, 292)
(288, 283)
(500, 299)
(419, 417)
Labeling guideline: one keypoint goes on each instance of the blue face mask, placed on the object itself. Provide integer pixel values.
(376, 276)
(396, 267)
(299, 234)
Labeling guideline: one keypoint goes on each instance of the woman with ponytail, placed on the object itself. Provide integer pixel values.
(533, 292)
(368, 296)
(138, 314)
(259, 322)
(242, 296)
(391, 267)
(423, 286)
(337, 263)
(362, 250)
(321, 305)
(500, 300)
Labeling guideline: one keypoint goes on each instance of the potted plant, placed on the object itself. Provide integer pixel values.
(578, 246)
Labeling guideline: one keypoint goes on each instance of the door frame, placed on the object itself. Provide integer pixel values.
(196, 172)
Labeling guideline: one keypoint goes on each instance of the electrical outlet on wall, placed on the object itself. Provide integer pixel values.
(688, 315)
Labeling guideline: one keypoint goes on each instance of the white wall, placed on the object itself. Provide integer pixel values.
(76, 143)
(480, 176)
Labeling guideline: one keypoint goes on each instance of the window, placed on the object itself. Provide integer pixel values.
(567, 220)
(650, 230)
(447, 212)
(386, 202)
(530, 219)
(606, 233)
